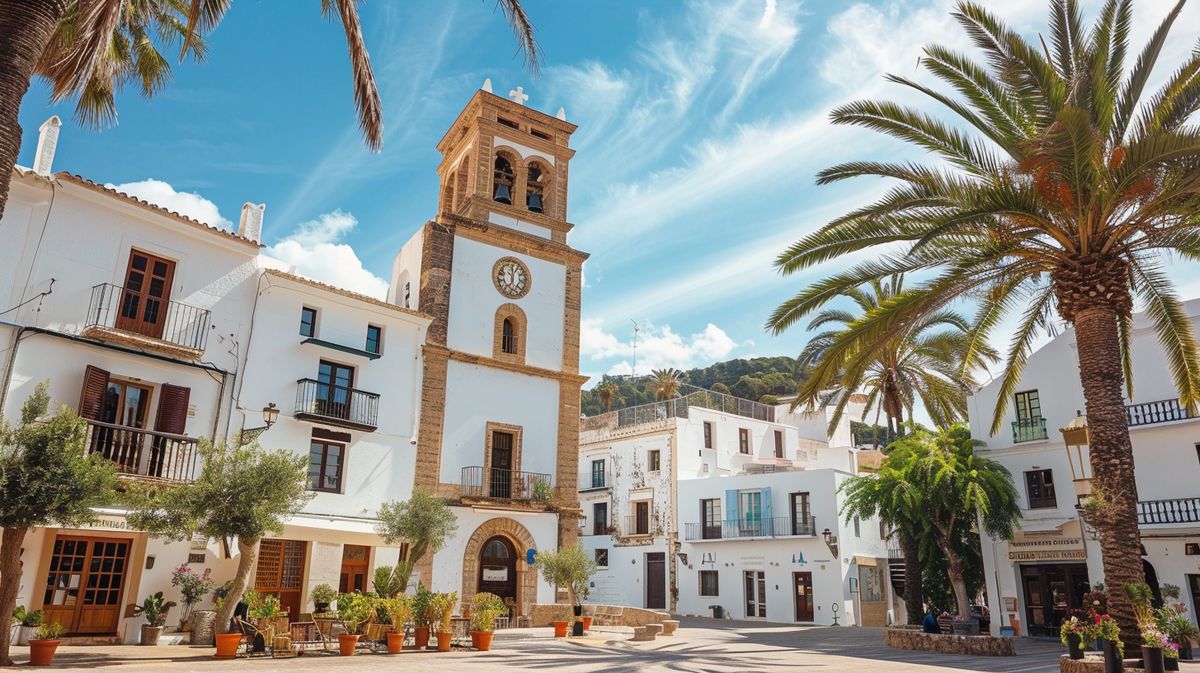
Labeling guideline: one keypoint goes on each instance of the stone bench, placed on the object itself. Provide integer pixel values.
(669, 626)
(642, 634)
(654, 629)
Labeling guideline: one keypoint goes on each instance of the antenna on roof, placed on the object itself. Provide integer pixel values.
(636, 328)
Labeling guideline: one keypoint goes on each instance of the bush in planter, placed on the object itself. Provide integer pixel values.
(441, 607)
(355, 611)
(387, 581)
(322, 597)
(192, 588)
(1175, 623)
(422, 615)
(154, 609)
(399, 612)
(44, 643)
(485, 608)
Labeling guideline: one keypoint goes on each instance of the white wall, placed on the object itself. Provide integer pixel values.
(448, 563)
(407, 268)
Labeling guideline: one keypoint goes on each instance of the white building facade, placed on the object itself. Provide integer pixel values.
(1033, 579)
(709, 505)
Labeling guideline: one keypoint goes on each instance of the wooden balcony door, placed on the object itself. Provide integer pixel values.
(85, 583)
(355, 563)
(146, 294)
(280, 572)
(500, 483)
(127, 405)
(334, 388)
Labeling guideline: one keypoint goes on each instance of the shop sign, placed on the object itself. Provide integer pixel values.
(1064, 543)
(495, 574)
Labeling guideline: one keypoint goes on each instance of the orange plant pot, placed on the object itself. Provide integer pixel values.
(421, 637)
(41, 652)
(346, 644)
(560, 629)
(395, 642)
(482, 640)
(444, 641)
(587, 623)
(227, 645)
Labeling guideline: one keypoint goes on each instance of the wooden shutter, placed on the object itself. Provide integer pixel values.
(91, 399)
(172, 409)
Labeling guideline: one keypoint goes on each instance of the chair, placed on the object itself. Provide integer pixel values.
(254, 642)
(307, 635)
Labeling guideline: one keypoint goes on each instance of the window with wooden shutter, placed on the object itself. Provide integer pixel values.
(172, 409)
(91, 399)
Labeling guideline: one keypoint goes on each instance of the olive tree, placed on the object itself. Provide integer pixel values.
(46, 477)
(243, 492)
(423, 521)
(569, 567)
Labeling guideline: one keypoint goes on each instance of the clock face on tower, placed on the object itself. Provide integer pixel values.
(511, 277)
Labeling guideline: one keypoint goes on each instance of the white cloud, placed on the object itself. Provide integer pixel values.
(162, 194)
(315, 252)
(657, 347)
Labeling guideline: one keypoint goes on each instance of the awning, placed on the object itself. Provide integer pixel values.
(1043, 525)
(869, 561)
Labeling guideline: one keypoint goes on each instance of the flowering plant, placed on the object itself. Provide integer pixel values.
(1081, 627)
(1152, 636)
(192, 585)
(1105, 627)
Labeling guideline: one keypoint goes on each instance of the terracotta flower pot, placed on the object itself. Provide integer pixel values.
(395, 642)
(587, 623)
(421, 637)
(346, 644)
(482, 640)
(41, 652)
(227, 645)
(443, 640)
(560, 628)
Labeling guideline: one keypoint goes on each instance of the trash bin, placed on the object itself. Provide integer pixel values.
(718, 611)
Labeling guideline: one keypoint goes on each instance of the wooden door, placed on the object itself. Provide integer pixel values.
(354, 569)
(656, 581)
(803, 584)
(641, 518)
(146, 295)
(799, 505)
(756, 593)
(85, 583)
(335, 389)
(498, 568)
(500, 484)
(280, 571)
(127, 405)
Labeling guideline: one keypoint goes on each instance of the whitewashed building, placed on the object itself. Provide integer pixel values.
(1033, 579)
(708, 501)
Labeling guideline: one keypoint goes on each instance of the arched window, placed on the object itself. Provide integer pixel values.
(508, 338)
(535, 189)
(503, 178)
(449, 193)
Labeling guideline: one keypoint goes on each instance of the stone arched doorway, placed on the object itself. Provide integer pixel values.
(486, 549)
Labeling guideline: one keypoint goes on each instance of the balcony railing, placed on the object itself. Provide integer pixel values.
(780, 526)
(155, 456)
(1029, 429)
(635, 525)
(1162, 411)
(112, 307)
(1177, 510)
(595, 481)
(336, 405)
(497, 484)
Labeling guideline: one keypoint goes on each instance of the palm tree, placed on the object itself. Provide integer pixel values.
(1064, 194)
(607, 393)
(664, 383)
(88, 48)
(921, 362)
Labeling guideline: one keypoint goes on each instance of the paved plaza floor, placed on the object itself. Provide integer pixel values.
(701, 646)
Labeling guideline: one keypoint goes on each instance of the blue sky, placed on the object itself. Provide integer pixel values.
(701, 125)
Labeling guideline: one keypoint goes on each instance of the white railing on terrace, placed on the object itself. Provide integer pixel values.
(677, 407)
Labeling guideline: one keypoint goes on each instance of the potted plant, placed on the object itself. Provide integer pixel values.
(485, 608)
(421, 616)
(28, 622)
(570, 567)
(227, 643)
(322, 597)
(1175, 623)
(355, 611)
(387, 582)
(562, 622)
(442, 607)
(399, 612)
(154, 609)
(267, 612)
(1108, 634)
(193, 586)
(44, 643)
(1154, 641)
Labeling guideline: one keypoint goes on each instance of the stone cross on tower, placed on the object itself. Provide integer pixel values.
(518, 95)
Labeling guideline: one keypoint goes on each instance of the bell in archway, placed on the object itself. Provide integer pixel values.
(533, 201)
(502, 193)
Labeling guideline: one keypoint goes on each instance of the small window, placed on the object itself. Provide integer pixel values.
(779, 443)
(407, 294)
(508, 337)
(653, 460)
(708, 583)
(325, 466)
(374, 338)
(539, 134)
(743, 440)
(599, 474)
(857, 527)
(602, 558)
(1029, 406)
(708, 437)
(308, 322)
(509, 123)
(1039, 486)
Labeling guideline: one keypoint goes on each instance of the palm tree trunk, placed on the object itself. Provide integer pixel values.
(247, 553)
(10, 578)
(913, 599)
(25, 29)
(1112, 461)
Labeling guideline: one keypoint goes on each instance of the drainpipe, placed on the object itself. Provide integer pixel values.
(12, 361)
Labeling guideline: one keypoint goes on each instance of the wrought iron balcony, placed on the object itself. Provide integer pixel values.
(592, 480)
(1162, 411)
(1029, 429)
(144, 454)
(639, 526)
(115, 311)
(780, 526)
(497, 484)
(1176, 510)
(336, 405)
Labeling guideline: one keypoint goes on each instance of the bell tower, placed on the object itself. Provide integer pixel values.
(507, 164)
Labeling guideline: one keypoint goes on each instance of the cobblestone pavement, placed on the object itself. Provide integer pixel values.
(701, 645)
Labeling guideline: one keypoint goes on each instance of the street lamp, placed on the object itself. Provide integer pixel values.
(830, 541)
(270, 414)
(1075, 441)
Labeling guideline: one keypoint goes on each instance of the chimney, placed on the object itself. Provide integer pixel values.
(47, 143)
(251, 223)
